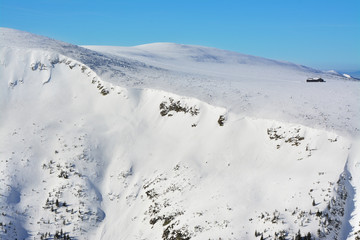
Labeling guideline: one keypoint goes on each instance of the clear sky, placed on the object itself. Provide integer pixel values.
(323, 34)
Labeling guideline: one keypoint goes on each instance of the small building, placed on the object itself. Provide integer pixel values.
(315, 80)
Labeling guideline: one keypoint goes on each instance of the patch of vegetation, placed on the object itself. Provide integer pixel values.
(102, 89)
(295, 141)
(38, 66)
(176, 106)
(273, 133)
(221, 120)
(292, 136)
(170, 233)
(151, 194)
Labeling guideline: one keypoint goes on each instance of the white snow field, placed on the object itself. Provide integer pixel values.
(168, 141)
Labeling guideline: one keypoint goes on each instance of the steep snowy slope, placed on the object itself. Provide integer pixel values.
(95, 159)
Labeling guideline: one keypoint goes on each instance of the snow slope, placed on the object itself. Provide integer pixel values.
(92, 146)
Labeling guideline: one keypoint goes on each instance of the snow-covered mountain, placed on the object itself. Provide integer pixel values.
(169, 141)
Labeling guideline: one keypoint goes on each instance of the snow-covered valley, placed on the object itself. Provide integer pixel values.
(167, 141)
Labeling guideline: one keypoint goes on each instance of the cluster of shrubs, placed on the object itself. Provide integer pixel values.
(59, 235)
(167, 107)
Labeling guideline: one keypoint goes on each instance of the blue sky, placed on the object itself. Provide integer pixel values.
(323, 34)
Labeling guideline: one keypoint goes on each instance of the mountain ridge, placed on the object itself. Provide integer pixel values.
(248, 85)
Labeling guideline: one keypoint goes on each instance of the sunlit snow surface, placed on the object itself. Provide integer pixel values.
(126, 143)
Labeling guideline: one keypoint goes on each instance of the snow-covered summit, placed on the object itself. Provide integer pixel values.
(194, 53)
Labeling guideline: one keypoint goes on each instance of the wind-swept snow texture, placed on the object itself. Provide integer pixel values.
(167, 141)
